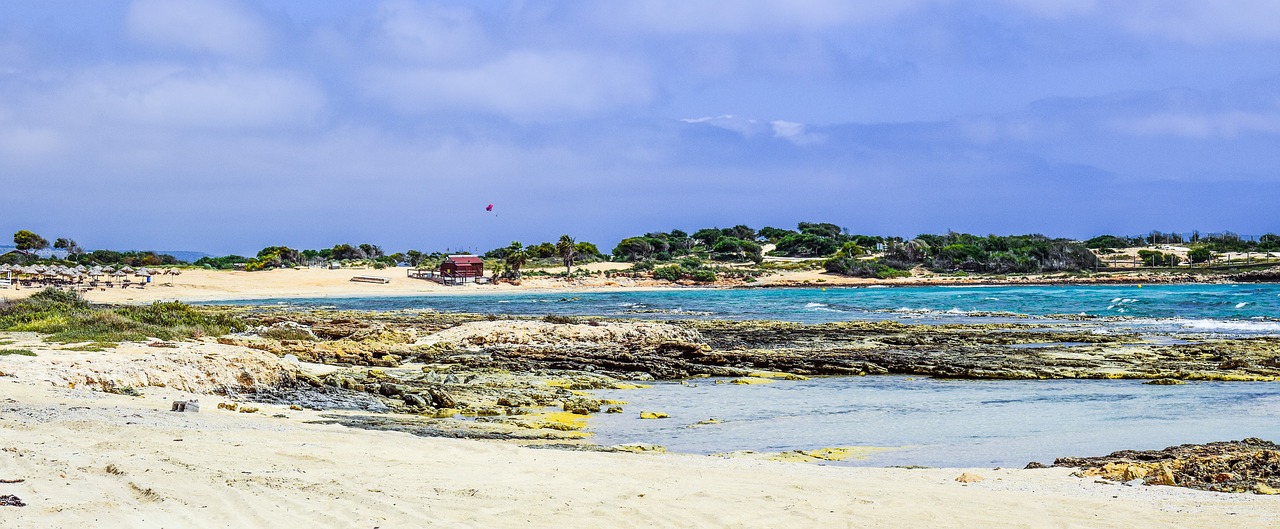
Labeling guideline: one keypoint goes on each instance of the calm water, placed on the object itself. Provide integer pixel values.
(929, 422)
(1233, 309)
(932, 422)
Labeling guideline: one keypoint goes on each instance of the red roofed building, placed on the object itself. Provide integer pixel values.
(461, 268)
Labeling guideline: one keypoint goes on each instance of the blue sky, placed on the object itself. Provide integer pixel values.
(226, 126)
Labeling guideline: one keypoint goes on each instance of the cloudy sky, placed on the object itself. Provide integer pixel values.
(226, 126)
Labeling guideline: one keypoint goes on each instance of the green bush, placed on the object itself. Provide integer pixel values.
(848, 266)
(704, 275)
(668, 273)
(66, 317)
(806, 245)
(1199, 255)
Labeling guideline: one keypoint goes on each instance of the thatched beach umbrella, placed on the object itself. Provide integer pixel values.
(142, 272)
(108, 269)
(126, 269)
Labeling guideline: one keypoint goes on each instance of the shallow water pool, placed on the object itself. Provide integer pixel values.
(942, 423)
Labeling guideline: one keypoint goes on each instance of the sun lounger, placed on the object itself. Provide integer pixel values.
(371, 279)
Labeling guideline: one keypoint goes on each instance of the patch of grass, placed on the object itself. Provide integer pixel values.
(19, 352)
(92, 347)
(287, 333)
(68, 318)
(114, 470)
(6, 342)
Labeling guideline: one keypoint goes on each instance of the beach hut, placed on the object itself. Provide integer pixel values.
(461, 268)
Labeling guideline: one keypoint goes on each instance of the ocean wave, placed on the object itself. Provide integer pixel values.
(1225, 326)
(815, 305)
(1241, 305)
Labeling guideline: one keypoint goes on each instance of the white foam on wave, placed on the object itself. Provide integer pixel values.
(1241, 305)
(814, 305)
(1252, 326)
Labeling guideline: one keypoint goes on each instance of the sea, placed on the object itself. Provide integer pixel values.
(919, 420)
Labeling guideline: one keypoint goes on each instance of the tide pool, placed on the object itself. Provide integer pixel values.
(944, 423)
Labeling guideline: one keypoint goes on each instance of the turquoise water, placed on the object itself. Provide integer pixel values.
(1230, 309)
(944, 423)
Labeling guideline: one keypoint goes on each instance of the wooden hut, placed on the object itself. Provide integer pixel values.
(461, 268)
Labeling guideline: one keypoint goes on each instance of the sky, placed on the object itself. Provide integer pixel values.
(226, 126)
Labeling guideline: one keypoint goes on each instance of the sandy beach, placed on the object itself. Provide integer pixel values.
(196, 285)
(92, 459)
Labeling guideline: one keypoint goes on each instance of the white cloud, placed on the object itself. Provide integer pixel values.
(745, 127)
(219, 27)
(795, 133)
(524, 85)
(1197, 21)
(25, 143)
(1227, 124)
(747, 16)
(1055, 8)
(430, 33)
(175, 97)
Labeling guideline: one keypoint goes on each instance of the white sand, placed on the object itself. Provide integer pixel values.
(223, 469)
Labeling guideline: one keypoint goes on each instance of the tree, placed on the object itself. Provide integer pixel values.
(343, 252)
(69, 245)
(567, 251)
(806, 245)
(850, 249)
(516, 258)
(586, 249)
(413, 257)
(26, 240)
(633, 248)
(1199, 255)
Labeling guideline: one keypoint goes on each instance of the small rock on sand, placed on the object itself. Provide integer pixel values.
(969, 478)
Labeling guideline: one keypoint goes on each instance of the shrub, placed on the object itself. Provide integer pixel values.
(668, 273)
(559, 320)
(704, 275)
(67, 317)
(806, 245)
(858, 268)
(1199, 255)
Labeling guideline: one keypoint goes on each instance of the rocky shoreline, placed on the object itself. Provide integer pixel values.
(503, 374)
(529, 380)
(1249, 465)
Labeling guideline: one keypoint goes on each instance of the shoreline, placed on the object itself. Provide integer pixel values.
(212, 286)
(278, 466)
(269, 462)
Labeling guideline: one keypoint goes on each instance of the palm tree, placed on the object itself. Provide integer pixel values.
(567, 252)
(516, 257)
